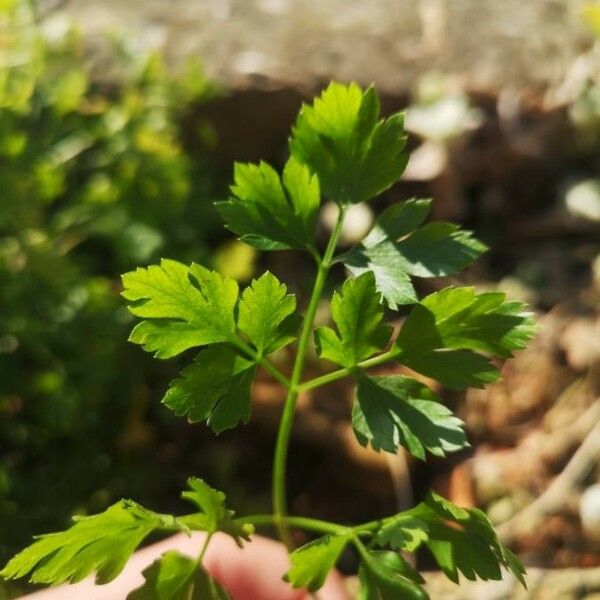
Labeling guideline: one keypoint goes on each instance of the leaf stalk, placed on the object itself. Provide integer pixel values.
(341, 373)
(287, 417)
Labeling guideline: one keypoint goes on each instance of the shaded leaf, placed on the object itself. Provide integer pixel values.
(395, 250)
(177, 577)
(215, 388)
(312, 562)
(455, 369)
(387, 576)
(395, 411)
(392, 282)
(398, 220)
(437, 250)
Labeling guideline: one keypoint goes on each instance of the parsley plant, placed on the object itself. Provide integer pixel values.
(341, 149)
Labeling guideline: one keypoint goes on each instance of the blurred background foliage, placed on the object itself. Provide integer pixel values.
(94, 181)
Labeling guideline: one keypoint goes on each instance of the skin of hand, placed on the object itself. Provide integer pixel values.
(252, 573)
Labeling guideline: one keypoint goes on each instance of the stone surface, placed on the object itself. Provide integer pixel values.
(269, 43)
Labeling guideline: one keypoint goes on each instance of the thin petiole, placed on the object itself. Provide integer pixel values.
(204, 549)
(362, 549)
(304, 523)
(314, 525)
(341, 373)
(266, 364)
(287, 417)
(274, 371)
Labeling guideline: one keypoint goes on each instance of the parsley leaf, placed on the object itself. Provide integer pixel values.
(395, 411)
(215, 388)
(395, 250)
(266, 314)
(483, 322)
(341, 138)
(387, 576)
(184, 306)
(442, 333)
(104, 542)
(312, 562)
(101, 543)
(460, 539)
(214, 515)
(177, 577)
(357, 312)
(402, 532)
(398, 220)
(392, 282)
(273, 213)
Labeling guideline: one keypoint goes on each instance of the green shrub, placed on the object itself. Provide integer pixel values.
(93, 180)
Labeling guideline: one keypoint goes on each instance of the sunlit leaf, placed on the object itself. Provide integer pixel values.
(341, 137)
(215, 388)
(443, 334)
(267, 314)
(184, 307)
(100, 543)
(273, 213)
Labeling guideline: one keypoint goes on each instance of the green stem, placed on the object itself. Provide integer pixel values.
(204, 549)
(341, 373)
(362, 549)
(304, 523)
(262, 361)
(369, 527)
(287, 417)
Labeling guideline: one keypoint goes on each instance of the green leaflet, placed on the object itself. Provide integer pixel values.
(215, 388)
(398, 220)
(214, 515)
(312, 562)
(402, 532)
(266, 314)
(442, 333)
(483, 322)
(387, 576)
(340, 137)
(392, 282)
(191, 306)
(469, 546)
(102, 543)
(185, 307)
(273, 213)
(177, 577)
(395, 411)
(396, 249)
(357, 312)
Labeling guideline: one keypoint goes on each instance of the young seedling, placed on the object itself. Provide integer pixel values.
(342, 150)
